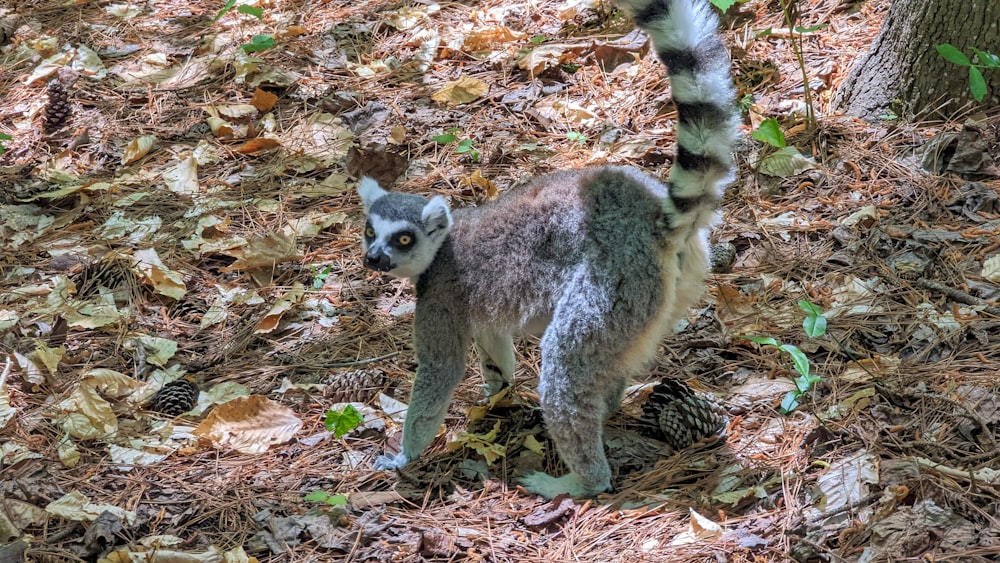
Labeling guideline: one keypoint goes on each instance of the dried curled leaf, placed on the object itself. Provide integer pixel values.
(138, 148)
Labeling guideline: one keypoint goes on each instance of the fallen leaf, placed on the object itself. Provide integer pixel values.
(220, 127)
(699, 528)
(280, 307)
(258, 145)
(138, 148)
(164, 280)
(263, 100)
(461, 91)
(483, 39)
(77, 507)
(249, 425)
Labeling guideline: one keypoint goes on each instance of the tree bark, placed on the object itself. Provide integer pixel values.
(903, 73)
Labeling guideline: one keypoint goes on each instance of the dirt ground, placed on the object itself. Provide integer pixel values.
(178, 202)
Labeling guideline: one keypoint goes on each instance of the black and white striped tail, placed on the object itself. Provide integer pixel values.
(685, 35)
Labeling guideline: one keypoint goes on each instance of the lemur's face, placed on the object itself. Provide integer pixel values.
(402, 232)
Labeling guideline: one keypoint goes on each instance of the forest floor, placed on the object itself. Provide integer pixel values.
(187, 209)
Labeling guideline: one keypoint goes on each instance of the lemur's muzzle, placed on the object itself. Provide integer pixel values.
(378, 261)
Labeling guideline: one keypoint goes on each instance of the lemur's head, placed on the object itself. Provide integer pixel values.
(403, 232)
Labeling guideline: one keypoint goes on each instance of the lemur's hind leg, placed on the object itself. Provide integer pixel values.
(584, 373)
(496, 359)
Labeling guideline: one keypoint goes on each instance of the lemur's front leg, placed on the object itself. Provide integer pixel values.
(440, 366)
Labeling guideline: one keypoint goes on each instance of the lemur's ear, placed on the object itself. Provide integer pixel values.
(370, 191)
(436, 217)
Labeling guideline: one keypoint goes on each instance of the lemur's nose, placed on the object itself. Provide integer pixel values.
(378, 261)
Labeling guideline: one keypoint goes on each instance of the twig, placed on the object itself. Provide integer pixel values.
(958, 295)
(362, 362)
(986, 475)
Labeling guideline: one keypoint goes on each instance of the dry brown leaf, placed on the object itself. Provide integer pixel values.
(138, 148)
(258, 145)
(278, 310)
(249, 425)
(483, 39)
(461, 91)
(263, 100)
(477, 180)
(397, 135)
(236, 111)
(265, 252)
(220, 127)
(164, 280)
(536, 60)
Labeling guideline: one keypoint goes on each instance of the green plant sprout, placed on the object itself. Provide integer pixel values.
(242, 8)
(4, 137)
(790, 10)
(579, 138)
(464, 146)
(259, 42)
(326, 498)
(815, 326)
(724, 5)
(985, 60)
(770, 132)
(343, 421)
(319, 276)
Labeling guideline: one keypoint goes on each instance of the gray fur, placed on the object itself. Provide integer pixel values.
(602, 260)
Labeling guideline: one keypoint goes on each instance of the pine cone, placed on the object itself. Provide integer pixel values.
(57, 110)
(175, 398)
(681, 417)
(354, 386)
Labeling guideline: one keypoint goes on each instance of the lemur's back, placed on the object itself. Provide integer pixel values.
(506, 257)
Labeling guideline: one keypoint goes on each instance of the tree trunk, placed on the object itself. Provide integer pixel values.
(903, 73)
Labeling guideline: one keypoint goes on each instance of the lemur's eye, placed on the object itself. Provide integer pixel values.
(369, 232)
(405, 240)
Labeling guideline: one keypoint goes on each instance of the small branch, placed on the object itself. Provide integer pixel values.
(958, 295)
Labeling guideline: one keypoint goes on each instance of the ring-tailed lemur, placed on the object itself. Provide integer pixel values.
(602, 261)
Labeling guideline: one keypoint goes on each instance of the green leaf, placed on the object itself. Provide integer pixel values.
(723, 5)
(809, 307)
(785, 162)
(343, 421)
(325, 497)
(225, 9)
(5, 137)
(251, 11)
(316, 496)
(987, 59)
(444, 139)
(977, 84)
(464, 146)
(949, 52)
(258, 43)
(770, 132)
(577, 136)
(814, 325)
(767, 340)
(799, 360)
(538, 39)
(790, 401)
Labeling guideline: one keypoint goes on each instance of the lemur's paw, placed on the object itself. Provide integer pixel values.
(387, 462)
(550, 487)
